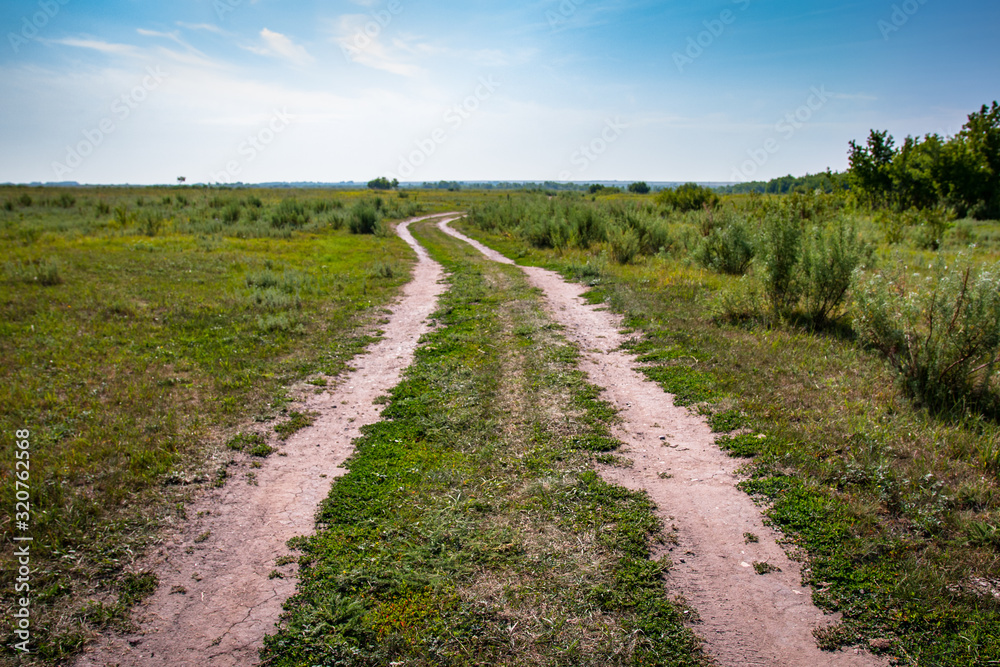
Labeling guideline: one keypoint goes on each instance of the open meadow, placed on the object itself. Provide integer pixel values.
(156, 343)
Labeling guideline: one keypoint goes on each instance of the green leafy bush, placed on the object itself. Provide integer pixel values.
(942, 334)
(290, 214)
(365, 217)
(728, 249)
(689, 197)
(125, 218)
(151, 223)
(830, 256)
(624, 244)
(231, 213)
(65, 200)
(781, 246)
(931, 225)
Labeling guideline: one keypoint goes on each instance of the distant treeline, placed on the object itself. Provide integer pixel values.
(827, 182)
(529, 186)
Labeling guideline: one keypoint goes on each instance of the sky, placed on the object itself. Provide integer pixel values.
(226, 91)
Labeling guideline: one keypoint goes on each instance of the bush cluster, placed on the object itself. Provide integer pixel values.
(942, 332)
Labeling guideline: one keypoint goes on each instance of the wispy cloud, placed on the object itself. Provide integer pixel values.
(189, 56)
(172, 36)
(96, 45)
(367, 47)
(204, 27)
(277, 45)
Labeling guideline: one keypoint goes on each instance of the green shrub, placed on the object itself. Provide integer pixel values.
(728, 249)
(651, 231)
(231, 213)
(942, 334)
(925, 227)
(780, 246)
(151, 223)
(624, 244)
(365, 216)
(322, 206)
(892, 225)
(931, 225)
(124, 218)
(25, 200)
(830, 256)
(290, 214)
(546, 232)
(689, 197)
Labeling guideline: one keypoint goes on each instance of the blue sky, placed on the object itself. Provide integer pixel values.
(128, 91)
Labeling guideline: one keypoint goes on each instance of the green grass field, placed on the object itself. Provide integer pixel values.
(131, 353)
(896, 506)
(140, 329)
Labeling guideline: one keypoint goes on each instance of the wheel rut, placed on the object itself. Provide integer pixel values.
(217, 596)
(745, 618)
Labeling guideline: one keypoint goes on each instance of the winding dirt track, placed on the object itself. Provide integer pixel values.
(216, 600)
(746, 618)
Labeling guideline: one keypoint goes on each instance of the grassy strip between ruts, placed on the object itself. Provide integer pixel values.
(133, 368)
(471, 529)
(890, 505)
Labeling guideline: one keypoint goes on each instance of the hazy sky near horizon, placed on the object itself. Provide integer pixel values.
(125, 91)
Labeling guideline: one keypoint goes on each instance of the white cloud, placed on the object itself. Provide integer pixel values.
(172, 36)
(361, 41)
(206, 27)
(97, 45)
(280, 46)
(189, 56)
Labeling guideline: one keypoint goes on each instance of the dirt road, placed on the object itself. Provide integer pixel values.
(218, 593)
(222, 585)
(747, 618)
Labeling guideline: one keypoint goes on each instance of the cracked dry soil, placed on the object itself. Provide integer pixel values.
(745, 618)
(216, 599)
